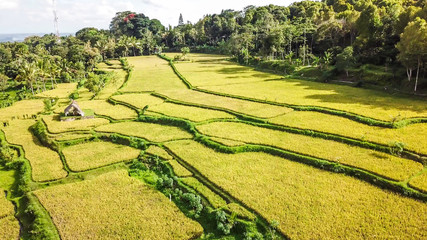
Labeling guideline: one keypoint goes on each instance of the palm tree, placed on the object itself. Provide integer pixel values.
(28, 72)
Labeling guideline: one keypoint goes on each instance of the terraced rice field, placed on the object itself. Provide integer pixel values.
(224, 149)
(117, 206)
(308, 202)
(92, 155)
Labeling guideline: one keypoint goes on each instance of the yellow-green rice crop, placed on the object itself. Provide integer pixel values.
(215, 200)
(409, 135)
(6, 208)
(70, 136)
(21, 110)
(242, 106)
(102, 107)
(138, 100)
(9, 228)
(158, 151)
(235, 208)
(151, 73)
(227, 142)
(62, 90)
(113, 85)
(179, 170)
(420, 181)
(115, 206)
(360, 101)
(191, 113)
(150, 131)
(309, 203)
(381, 163)
(92, 155)
(56, 126)
(45, 163)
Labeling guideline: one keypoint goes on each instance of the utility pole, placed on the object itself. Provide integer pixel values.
(55, 19)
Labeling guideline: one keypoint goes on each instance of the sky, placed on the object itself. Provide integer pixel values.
(36, 16)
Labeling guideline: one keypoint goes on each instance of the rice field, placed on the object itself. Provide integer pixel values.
(179, 170)
(9, 228)
(92, 155)
(215, 200)
(138, 100)
(420, 182)
(70, 136)
(62, 90)
(241, 106)
(384, 164)
(150, 131)
(45, 163)
(308, 203)
(151, 73)
(101, 107)
(21, 110)
(409, 135)
(117, 206)
(115, 83)
(6, 207)
(158, 151)
(54, 125)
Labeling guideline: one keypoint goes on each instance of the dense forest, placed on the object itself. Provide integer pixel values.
(375, 42)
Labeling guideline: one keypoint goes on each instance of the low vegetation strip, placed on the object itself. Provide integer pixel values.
(117, 206)
(409, 135)
(150, 131)
(237, 105)
(92, 155)
(54, 125)
(45, 163)
(9, 228)
(380, 163)
(151, 74)
(307, 202)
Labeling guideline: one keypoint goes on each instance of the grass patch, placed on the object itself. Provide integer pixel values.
(215, 200)
(150, 131)
(377, 162)
(307, 201)
(117, 206)
(151, 73)
(45, 163)
(92, 155)
(57, 126)
(241, 106)
(409, 135)
(179, 170)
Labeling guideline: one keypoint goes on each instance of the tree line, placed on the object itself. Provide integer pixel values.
(336, 36)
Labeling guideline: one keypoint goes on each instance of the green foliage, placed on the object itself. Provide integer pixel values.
(49, 103)
(345, 60)
(223, 224)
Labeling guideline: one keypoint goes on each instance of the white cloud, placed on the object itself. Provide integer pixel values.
(8, 4)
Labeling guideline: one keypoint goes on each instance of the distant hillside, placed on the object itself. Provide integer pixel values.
(19, 37)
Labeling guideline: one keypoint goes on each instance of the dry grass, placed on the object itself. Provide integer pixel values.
(138, 100)
(179, 170)
(21, 110)
(150, 131)
(215, 200)
(195, 114)
(409, 135)
(309, 203)
(45, 163)
(57, 126)
(158, 151)
(115, 206)
(102, 107)
(242, 106)
(62, 90)
(381, 163)
(9, 228)
(92, 155)
(151, 73)
(420, 181)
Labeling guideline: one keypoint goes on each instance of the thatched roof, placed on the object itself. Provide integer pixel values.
(73, 110)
